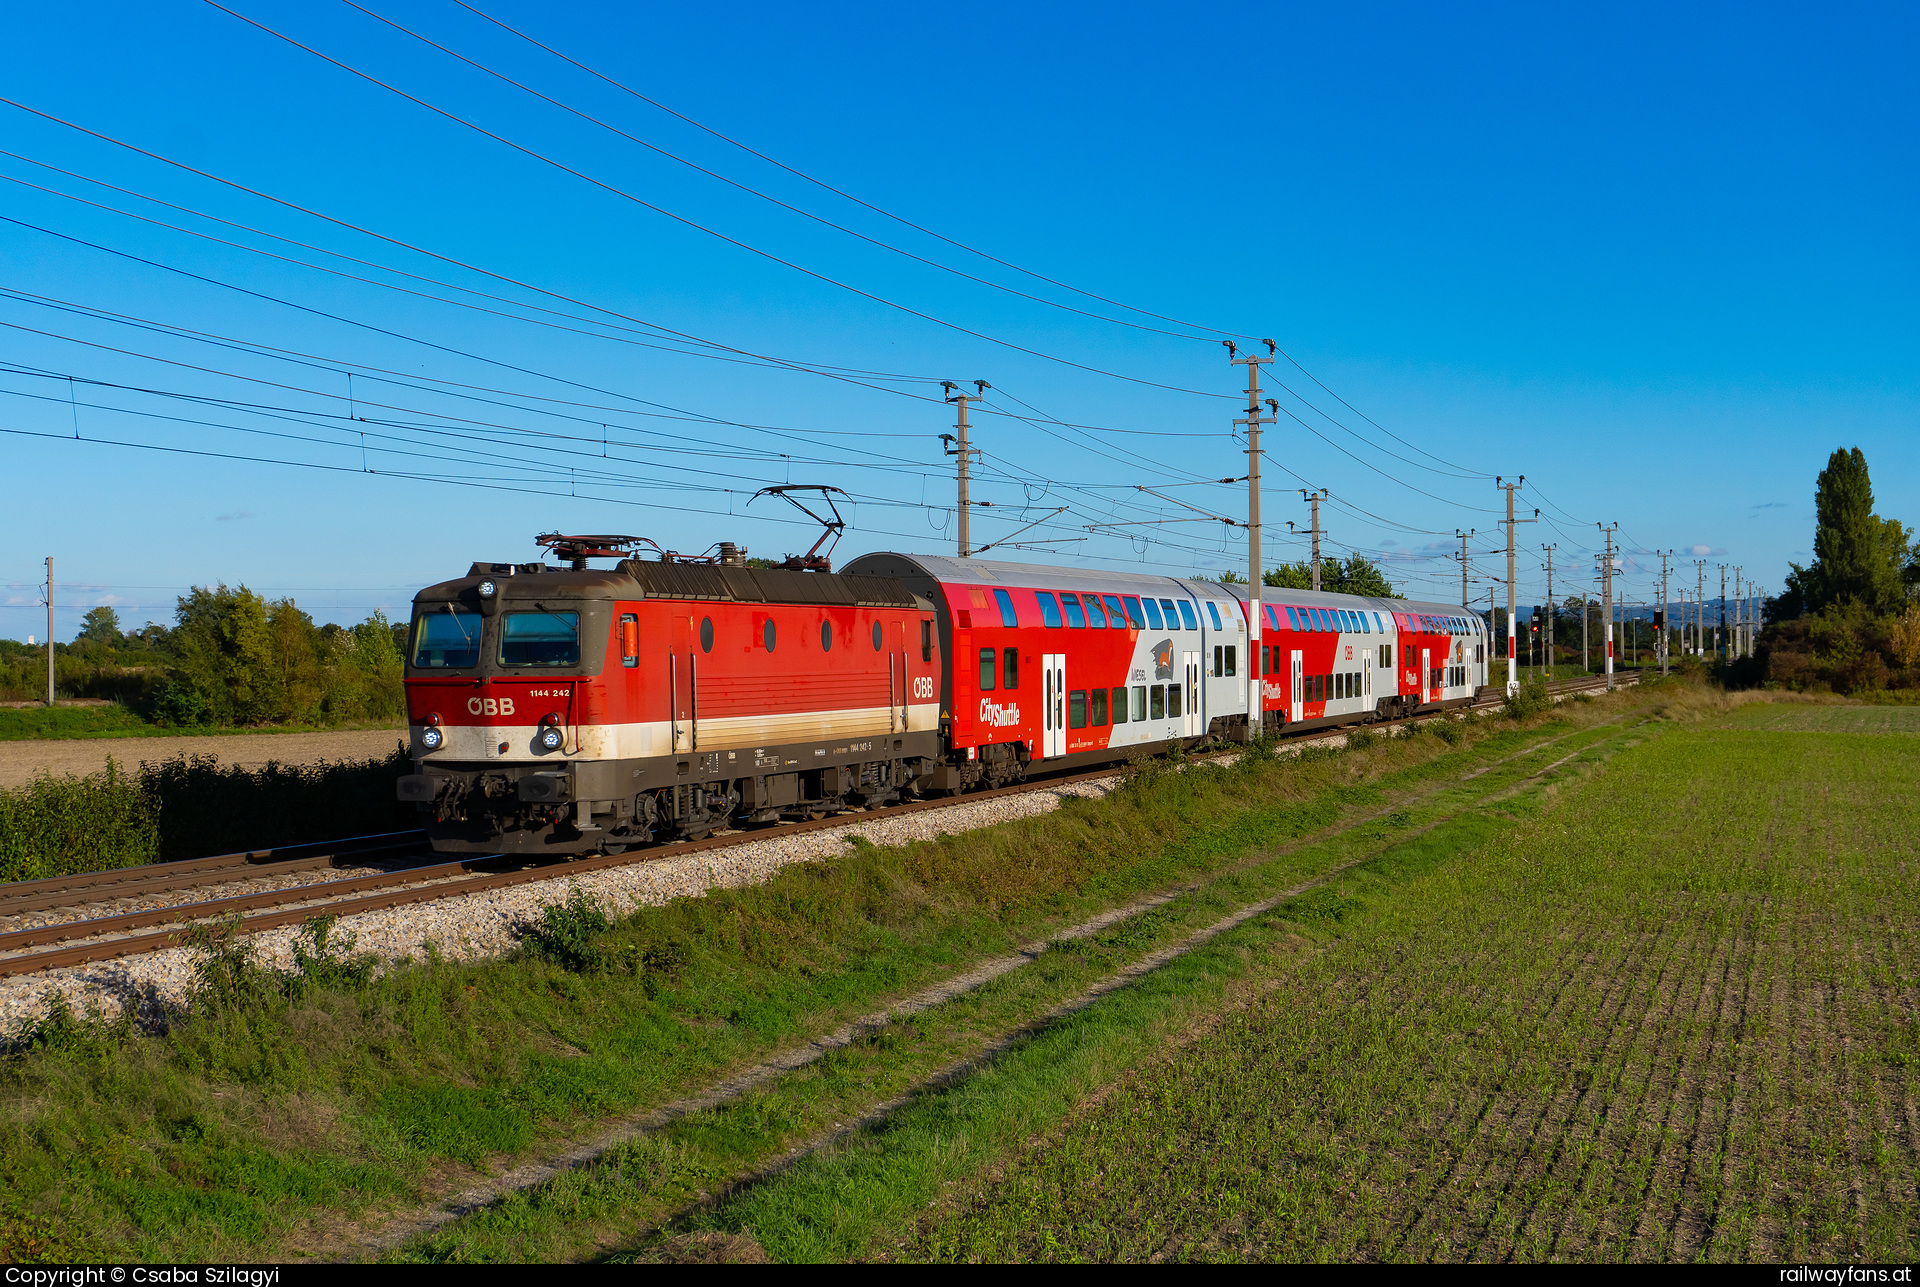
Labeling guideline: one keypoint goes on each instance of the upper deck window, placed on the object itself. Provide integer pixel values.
(1293, 619)
(1075, 617)
(1134, 618)
(1186, 616)
(1116, 615)
(1153, 613)
(1007, 617)
(1096, 617)
(540, 639)
(1049, 608)
(1213, 610)
(446, 637)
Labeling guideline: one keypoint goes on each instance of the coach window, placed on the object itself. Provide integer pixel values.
(1011, 668)
(629, 639)
(1075, 617)
(766, 634)
(1077, 709)
(1157, 702)
(1153, 613)
(1213, 611)
(1186, 616)
(540, 638)
(1366, 627)
(1007, 617)
(1230, 660)
(1049, 608)
(1293, 619)
(1096, 617)
(1116, 615)
(986, 670)
(1173, 617)
(1134, 618)
(926, 640)
(1386, 656)
(826, 636)
(1173, 701)
(1219, 661)
(1139, 702)
(1273, 617)
(706, 634)
(1098, 700)
(1120, 704)
(878, 635)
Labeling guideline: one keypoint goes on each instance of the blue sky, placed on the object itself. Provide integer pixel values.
(1661, 262)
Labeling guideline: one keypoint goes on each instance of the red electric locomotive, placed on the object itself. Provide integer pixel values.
(570, 710)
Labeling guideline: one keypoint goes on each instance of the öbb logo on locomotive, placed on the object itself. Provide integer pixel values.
(664, 697)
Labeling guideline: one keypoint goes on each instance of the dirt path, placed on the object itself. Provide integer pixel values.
(20, 762)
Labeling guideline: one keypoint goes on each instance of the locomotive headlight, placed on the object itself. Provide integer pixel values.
(487, 589)
(431, 738)
(551, 738)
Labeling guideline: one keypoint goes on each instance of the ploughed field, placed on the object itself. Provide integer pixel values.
(1671, 1014)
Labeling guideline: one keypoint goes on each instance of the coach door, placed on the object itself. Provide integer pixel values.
(1192, 720)
(1366, 677)
(1427, 693)
(1298, 681)
(1054, 718)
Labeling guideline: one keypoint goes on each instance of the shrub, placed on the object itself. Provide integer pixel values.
(1528, 700)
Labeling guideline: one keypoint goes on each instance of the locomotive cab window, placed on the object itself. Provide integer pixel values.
(926, 639)
(629, 640)
(446, 637)
(540, 639)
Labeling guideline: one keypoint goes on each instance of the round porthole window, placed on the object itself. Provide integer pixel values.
(767, 634)
(706, 634)
(826, 636)
(876, 636)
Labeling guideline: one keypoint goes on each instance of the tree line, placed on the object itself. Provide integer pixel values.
(230, 659)
(1849, 622)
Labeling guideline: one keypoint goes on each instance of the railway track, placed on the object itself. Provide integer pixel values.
(409, 876)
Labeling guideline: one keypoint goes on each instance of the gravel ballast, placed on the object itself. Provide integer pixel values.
(482, 924)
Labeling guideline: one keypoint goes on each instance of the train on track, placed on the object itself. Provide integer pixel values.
(566, 710)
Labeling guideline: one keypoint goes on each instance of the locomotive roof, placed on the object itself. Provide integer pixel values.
(634, 579)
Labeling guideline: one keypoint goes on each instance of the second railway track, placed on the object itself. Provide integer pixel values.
(409, 876)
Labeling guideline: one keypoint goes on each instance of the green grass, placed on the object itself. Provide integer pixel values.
(1848, 718)
(1662, 1013)
(68, 723)
(254, 1130)
(189, 806)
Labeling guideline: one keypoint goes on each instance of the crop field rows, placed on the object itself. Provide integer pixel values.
(1669, 1017)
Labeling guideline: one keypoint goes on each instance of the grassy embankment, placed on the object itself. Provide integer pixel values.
(67, 723)
(283, 1122)
(1668, 1012)
(189, 806)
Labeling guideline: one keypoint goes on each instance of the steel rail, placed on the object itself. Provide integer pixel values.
(447, 880)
